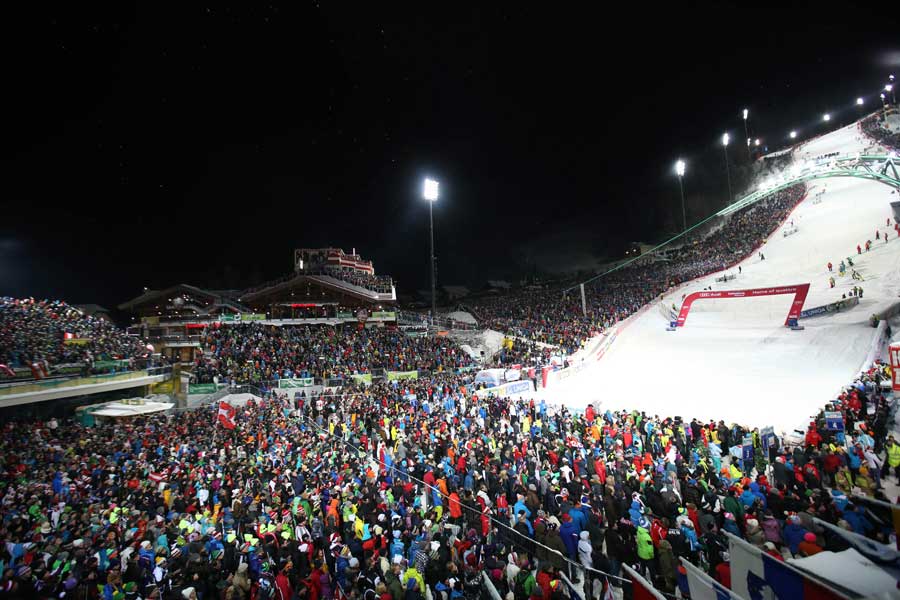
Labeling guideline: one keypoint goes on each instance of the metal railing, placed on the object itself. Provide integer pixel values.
(46, 385)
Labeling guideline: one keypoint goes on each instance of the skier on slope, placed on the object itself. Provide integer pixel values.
(858, 249)
(831, 282)
(829, 266)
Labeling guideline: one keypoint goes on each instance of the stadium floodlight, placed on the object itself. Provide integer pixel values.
(756, 142)
(430, 193)
(859, 101)
(679, 170)
(888, 87)
(826, 117)
(746, 112)
(725, 140)
(748, 141)
(793, 135)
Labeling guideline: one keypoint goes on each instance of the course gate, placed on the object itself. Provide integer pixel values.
(799, 291)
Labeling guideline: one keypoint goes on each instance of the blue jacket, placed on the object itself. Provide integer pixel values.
(568, 531)
(858, 521)
(579, 518)
(793, 535)
(634, 513)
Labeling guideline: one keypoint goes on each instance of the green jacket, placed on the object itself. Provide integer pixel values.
(644, 544)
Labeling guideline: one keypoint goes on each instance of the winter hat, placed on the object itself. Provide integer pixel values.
(769, 546)
(186, 592)
(354, 563)
(809, 536)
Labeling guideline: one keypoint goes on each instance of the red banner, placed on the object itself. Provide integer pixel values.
(894, 354)
(799, 291)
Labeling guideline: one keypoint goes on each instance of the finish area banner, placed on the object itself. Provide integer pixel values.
(799, 291)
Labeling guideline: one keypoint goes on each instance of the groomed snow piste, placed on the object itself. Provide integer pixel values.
(734, 359)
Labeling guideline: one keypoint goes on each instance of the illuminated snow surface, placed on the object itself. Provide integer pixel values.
(734, 359)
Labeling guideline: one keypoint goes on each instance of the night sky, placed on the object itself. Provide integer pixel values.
(149, 146)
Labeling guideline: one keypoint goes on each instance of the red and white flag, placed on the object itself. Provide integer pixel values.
(156, 477)
(226, 415)
(68, 336)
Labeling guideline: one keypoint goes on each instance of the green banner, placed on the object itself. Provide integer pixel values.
(394, 375)
(363, 377)
(242, 317)
(201, 388)
(381, 314)
(296, 382)
(345, 315)
(110, 364)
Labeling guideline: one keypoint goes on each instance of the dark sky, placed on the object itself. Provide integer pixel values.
(150, 146)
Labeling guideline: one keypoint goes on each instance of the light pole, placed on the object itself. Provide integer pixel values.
(890, 88)
(430, 193)
(747, 135)
(793, 135)
(679, 170)
(725, 140)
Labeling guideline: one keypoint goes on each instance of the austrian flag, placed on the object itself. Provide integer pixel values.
(226, 415)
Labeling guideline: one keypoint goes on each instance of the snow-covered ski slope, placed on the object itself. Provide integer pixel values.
(734, 359)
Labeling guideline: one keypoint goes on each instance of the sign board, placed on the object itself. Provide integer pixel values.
(894, 354)
(767, 437)
(363, 378)
(383, 314)
(747, 451)
(834, 421)
(296, 382)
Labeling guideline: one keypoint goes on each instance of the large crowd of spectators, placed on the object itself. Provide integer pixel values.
(254, 353)
(36, 330)
(412, 490)
(873, 127)
(376, 283)
(549, 316)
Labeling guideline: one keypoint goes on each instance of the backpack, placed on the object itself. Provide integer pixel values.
(519, 589)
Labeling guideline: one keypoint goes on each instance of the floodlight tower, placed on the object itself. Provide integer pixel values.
(430, 193)
(725, 140)
(679, 170)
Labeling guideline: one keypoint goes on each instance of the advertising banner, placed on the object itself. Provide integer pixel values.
(382, 314)
(201, 388)
(242, 317)
(77, 341)
(110, 364)
(894, 353)
(799, 291)
(363, 377)
(296, 382)
(830, 308)
(396, 375)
